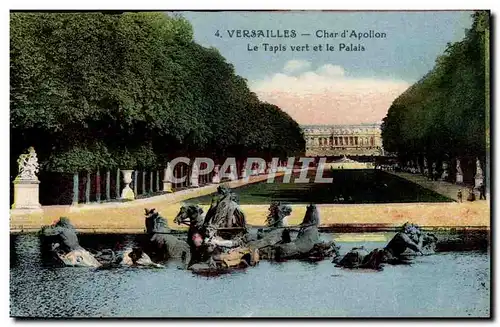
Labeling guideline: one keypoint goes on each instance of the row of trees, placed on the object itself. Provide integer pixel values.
(131, 90)
(444, 115)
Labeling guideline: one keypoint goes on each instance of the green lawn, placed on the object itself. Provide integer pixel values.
(348, 186)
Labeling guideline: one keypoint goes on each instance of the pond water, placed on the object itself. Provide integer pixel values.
(441, 285)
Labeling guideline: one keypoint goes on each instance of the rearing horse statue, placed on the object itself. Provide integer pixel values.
(192, 215)
(163, 245)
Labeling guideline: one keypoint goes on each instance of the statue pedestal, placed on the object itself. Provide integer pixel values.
(195, 175)
(216, 176)
(445, 174)
(232, 173)
(167, 187)
(244, 170)
(269, 168)
(167, 179)
(193, 181)
(127, 192)
(26, 194)
(459, 179)
(479, 177)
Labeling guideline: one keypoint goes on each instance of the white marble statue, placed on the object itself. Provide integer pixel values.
(168, 175)
(194, 176)
(479, 171)
(459, 168)
(28, 165)
(445, 173)
(244, 170)
(460, 175)
(216, 176)
(479, 177)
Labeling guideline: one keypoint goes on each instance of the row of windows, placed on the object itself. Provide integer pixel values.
(377, 132)
(344, 148)
(342, 140)
(341, 131)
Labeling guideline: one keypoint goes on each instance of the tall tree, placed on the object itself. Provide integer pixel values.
(93, 90)
(443, 115)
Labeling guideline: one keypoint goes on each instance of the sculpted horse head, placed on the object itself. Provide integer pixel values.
(60, 242)
(64, 223)
(190, 215)
(60, 224)
(277, 213)
(154, 222)
(61, 234)
(427, 240)
(312, 216)
(309, 226)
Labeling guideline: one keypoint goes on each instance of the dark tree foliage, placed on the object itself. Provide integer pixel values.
(130, 90)
(444, 114)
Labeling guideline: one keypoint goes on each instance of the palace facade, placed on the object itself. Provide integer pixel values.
(338, 140)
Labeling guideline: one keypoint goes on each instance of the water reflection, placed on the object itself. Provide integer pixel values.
(271, 289)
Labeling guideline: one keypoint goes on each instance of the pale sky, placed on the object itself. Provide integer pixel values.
(332, 87)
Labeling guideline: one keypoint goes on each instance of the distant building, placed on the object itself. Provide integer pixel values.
(338, 140)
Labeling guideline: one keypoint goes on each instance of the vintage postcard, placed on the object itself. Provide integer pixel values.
(250, 164)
